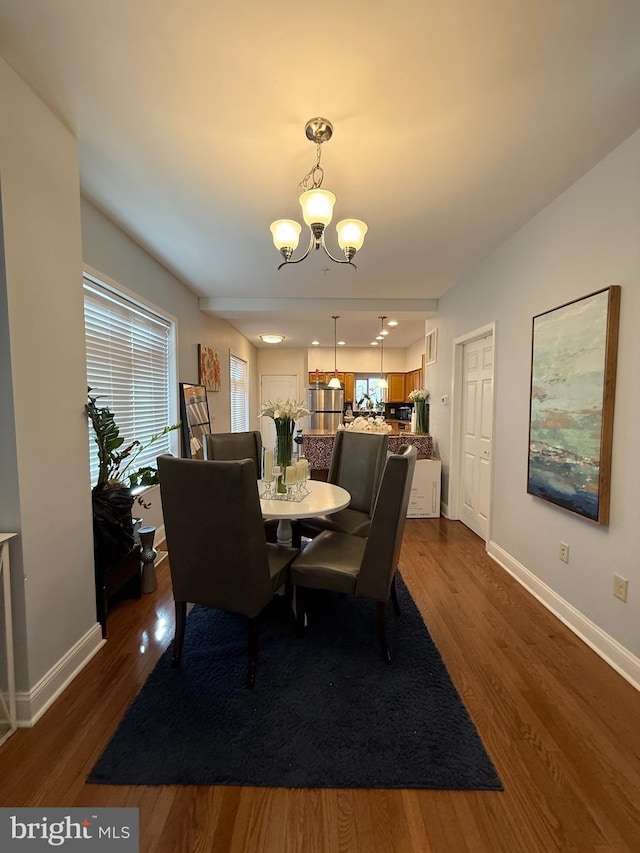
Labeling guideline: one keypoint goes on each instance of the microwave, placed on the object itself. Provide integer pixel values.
(404, 413)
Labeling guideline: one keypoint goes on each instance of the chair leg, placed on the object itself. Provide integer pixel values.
(394, 596)
(252, 651)
(384, 648)
(178, 638)
(300, 610)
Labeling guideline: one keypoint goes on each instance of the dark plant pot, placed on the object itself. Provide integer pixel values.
(112, 525)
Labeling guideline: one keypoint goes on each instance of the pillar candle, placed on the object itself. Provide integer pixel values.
(290, 475)
(267, 464)
(302, 466)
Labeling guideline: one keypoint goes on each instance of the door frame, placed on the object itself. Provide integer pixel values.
(457, 387)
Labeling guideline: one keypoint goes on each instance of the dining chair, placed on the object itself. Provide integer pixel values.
(225, 446)
(366, 568)
(218, 554)
(357, 462)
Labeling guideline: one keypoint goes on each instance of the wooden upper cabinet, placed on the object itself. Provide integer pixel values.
(414, 381)
(396, 389)
(348, 381)
(323, 378)
(349, 386)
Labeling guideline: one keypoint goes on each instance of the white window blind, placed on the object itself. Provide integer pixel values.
(239, 394)
(128, 367)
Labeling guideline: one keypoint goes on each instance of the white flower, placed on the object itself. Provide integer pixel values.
(361, 424)
(283, 409)
(419, 394)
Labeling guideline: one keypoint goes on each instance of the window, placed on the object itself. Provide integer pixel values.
(367, 389)
(239, 394)
(130, 352)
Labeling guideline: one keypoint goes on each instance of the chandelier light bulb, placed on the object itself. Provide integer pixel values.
(317, 207)
(351, 233)
(286, 234)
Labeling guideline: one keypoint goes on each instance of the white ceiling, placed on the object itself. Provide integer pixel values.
(454, 123)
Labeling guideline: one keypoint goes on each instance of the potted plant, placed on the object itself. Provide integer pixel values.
(111, 496)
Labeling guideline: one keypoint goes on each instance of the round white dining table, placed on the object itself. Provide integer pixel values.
(323, 499)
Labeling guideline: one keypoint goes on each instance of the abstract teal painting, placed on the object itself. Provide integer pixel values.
(573, 368)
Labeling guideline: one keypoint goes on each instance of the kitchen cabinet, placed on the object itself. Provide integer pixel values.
(348, 381)
(323, 378)
(413, 381)
(349, 386)
(396, 391)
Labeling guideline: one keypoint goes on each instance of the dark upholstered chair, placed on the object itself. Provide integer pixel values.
(224, 446)
(218, 553)
(357, 462)
(220, 446)
(366, 568)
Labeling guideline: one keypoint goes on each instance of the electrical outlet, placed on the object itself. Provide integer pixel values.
(564, 552)
(620, 586)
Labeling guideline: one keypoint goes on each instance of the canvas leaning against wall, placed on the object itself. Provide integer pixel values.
(573, 371)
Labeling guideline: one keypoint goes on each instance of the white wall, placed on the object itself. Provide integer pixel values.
(413, 356)
(45, 495)
(114, 254)
(358, 359)
(585, 240)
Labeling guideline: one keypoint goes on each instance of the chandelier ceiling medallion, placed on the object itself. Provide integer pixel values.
(317, 210)
(334, 382)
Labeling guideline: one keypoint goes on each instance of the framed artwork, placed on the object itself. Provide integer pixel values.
(209, 371)
(573, 375)
(430, 344)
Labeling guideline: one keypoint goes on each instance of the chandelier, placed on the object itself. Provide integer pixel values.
(317, 210)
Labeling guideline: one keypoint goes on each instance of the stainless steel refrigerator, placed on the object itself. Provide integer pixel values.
(326, 406)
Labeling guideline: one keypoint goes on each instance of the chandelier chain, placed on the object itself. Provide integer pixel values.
(314, 177)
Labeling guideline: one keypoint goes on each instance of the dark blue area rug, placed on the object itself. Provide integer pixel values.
(326, 711)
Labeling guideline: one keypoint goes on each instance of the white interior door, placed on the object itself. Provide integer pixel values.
(274, 387)
(477, 428)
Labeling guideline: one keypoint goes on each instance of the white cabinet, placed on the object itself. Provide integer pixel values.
(425, 489)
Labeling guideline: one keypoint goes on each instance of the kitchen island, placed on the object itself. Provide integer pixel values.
(318, 444)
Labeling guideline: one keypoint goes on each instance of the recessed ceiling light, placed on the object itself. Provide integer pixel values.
(342, 343)
(374, 343)
(315, 343)
(384, 332)
(272, 339)
(392, 323)
(379, 338)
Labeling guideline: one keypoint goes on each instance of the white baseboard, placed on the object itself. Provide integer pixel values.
(608, 648)
(32, 704)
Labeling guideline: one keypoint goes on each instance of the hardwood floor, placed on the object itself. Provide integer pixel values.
(560, 725)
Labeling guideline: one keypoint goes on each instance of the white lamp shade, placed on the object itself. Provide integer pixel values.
(286, 234)
(382, 383)
(317, 206)
(351, 233)
(334, 382)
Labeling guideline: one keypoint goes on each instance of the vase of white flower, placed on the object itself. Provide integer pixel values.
(420, 398)
(285, 413)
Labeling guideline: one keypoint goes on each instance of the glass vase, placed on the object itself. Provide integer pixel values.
(283, 449)
(422, 417)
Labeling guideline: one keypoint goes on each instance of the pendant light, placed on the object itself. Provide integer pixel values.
(334, 382)
(382, 382)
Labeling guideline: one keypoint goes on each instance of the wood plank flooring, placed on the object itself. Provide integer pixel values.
(562, 728)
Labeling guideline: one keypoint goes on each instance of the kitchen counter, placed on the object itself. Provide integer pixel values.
(318, 444)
